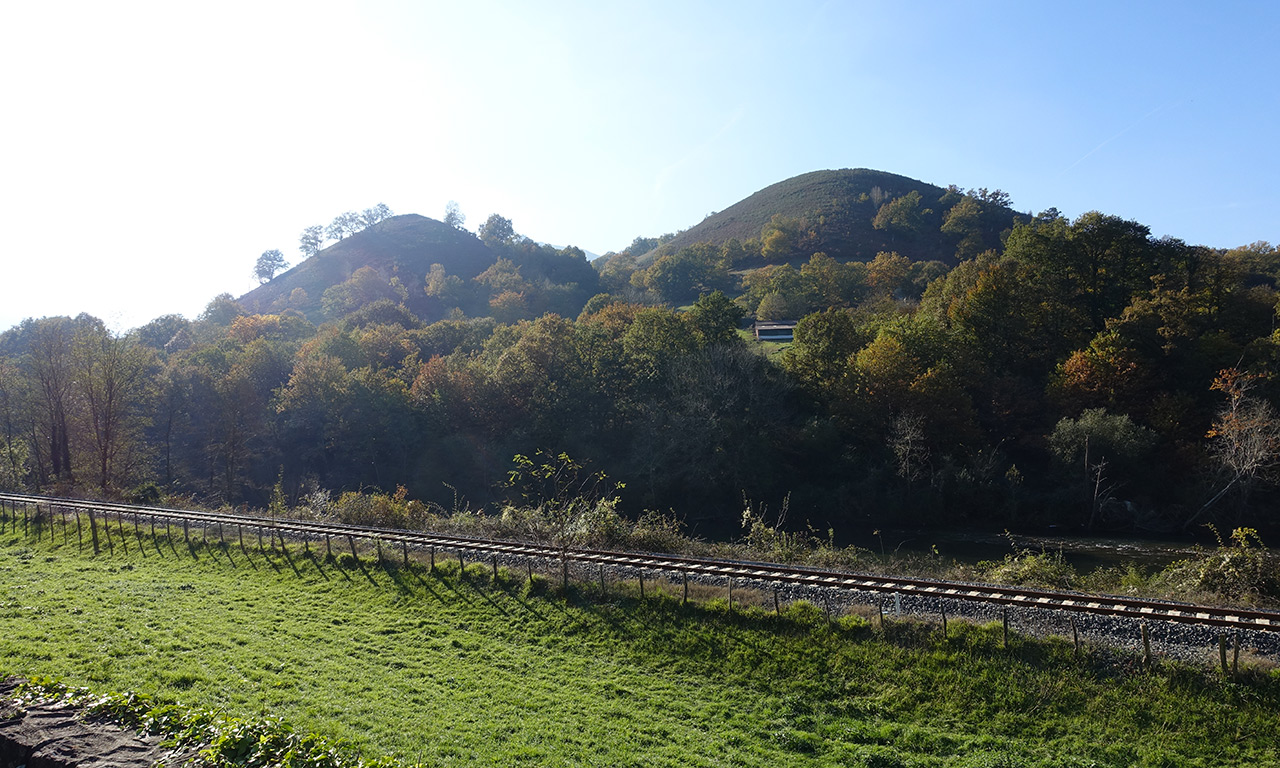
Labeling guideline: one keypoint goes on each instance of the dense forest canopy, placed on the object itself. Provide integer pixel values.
(953, 362)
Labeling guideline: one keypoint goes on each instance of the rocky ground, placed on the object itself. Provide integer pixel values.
(58, 735)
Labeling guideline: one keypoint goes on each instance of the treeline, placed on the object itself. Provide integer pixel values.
(1083, 373)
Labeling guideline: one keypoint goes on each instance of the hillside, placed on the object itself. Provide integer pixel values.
(840, 206)
(403, 247)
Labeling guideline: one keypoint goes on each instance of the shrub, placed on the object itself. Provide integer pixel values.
(1245, 568)
(1031, 569)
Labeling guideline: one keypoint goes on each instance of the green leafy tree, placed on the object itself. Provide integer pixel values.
(112, 376)
(828, 283)
(889, 274)
(344, 225)
(780, 239)
(677, 277)
(268, 264)
(964, 220)
(715, 318)
(14, 460)
(51, 366)
(1096, 263)
(311, 240)
(371, 216)
(453, 216)
(365, 286)
(1108, 448)
(900, 216)
(497, 232)
(449, 289)
(819, 356)
(773, 307)
(562, 503)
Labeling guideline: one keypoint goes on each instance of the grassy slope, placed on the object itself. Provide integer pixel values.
(459, 673)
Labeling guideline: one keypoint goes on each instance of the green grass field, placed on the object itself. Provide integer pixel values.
(440, 670)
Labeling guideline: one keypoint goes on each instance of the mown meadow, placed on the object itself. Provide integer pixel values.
(448, 668)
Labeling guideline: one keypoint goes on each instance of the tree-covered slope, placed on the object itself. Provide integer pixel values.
(841, 208)
(401, 247)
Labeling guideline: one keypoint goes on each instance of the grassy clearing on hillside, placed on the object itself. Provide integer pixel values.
(443, 670)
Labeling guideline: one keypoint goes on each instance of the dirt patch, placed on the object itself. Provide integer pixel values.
(57, 735)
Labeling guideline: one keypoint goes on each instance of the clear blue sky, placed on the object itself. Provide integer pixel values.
(150, 151)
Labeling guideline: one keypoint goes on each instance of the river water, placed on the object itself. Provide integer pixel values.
(1085, 553)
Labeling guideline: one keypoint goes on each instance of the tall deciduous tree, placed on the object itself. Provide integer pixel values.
(268, 264)
(111, 376)
(343, 225)
(51, 364)
(901, 216)
(497, 231)
(453, 215)
(1246, 436)
(371, 216)
(311, 239)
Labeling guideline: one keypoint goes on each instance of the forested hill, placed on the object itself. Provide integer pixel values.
(838, 209)
(400, 247)
(1070, 372)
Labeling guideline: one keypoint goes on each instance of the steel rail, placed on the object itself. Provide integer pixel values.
(770, 573)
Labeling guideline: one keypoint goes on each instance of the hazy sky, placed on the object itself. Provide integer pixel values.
(149, 152)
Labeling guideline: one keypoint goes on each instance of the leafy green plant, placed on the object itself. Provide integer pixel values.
(1244, 568)
(222, 741)
(1032, 569)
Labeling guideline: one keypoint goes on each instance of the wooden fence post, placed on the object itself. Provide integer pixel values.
(93, 531)
(405, 547)
(1004, 617)
(1235, 657)
(1075, 635)
(1146, 646)
(685, 576)
(1222, 651)
(351, 540)
(943, 608)
(79, 531)
(642, 585)
(777, 610)
(731, 594)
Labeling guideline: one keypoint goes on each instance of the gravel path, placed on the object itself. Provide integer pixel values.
(1168, 639)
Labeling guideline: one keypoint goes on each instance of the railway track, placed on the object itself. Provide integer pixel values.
(12, 505)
